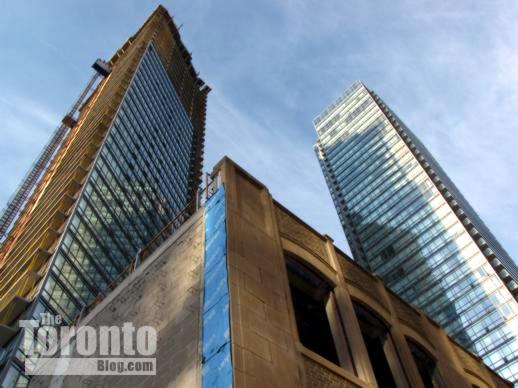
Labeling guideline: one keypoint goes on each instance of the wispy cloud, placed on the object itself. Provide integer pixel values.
(447, 68)
(463, 105)
(27, 109)
(283, 162)
(26, 126)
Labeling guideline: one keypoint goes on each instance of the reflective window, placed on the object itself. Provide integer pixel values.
(400, 225)
(140, 180)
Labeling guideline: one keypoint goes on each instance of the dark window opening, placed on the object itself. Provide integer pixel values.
(375, 335)
(426, 366)
(388, 253)
(310, 294)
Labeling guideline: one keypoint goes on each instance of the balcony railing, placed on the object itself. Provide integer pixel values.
(202, 195)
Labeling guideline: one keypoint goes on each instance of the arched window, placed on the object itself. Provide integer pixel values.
(318, 322)
(426, 365)
(379, 346)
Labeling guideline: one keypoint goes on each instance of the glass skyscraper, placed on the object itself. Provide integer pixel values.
(406, 221)
(130, 163)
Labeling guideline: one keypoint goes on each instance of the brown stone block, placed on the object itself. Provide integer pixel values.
(239, 379)
(260, 325)
(255, 365)
(286, 357)
(236, 330)
(273, 282)
(250, 241)
(238, 357)
(236, 277)
(279, 319)
(279, 337)
(280, 303)
(251, 319)
(254, 382)
(258, 371)
(241, 275)
(263, 292)
(255, 287)
(265, 374)
(252, 303)
(245, 265)
(256, 344)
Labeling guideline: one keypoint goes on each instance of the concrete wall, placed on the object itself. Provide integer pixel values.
(164, 292)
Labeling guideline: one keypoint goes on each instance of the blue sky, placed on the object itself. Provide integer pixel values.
(448, 68)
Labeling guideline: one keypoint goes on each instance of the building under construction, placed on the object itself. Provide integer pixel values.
(125, 161)
(110, 227)
(245, 294)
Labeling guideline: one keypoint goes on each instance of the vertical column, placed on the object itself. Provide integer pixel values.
(348, 316)
(263, 327)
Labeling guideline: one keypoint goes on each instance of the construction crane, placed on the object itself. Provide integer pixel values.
(20, 197)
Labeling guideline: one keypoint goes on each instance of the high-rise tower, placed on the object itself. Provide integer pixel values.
(406, 221)
(129, 163)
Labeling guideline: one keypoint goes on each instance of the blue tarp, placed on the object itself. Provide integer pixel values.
(216, 351)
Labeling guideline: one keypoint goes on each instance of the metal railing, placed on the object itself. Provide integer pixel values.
(168, 230)
(201, 197)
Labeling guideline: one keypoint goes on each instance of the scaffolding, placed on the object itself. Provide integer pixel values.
(20, 197)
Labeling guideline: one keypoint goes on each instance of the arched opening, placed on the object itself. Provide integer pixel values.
(316, 313)
(376, 336)
(310, 294)
(426, 365)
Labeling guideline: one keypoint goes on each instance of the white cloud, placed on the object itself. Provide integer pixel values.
(26, 126)
(447, 69)
(284, 163)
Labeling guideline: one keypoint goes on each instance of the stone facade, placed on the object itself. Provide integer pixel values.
(321, 377)
(266, 348)
(265, 342)
(164, 292)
